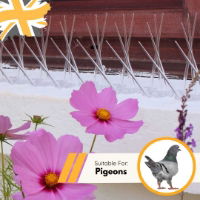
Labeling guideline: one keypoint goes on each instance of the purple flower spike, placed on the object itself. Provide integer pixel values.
(184, 133)
(193, 143)
(188, 132)
(179, 134)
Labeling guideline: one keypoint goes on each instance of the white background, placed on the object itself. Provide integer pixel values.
(159, 115)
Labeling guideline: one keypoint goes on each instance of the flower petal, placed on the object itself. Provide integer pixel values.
(107, 98)
(98, 128)
(78, 191)
(126, 109)
(28, 165)
(109, 130)
(27, 156)
(115, 129)
(85, 119)
(29, 181)
(85, 98)
(33, 158)
(46, 145)
(5, 124)
(67, 144)
(12, 136)
(114, 133)
(128, 126)
(50, 195)
(17, 196)
(21, 128)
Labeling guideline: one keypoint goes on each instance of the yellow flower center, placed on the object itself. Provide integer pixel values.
(103, 114)
(51, 179)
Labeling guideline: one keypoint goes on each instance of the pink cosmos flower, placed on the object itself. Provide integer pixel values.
(7, 133)
(38, 163)
(101, 113)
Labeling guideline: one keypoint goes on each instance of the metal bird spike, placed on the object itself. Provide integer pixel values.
(21, 48)
(19, 64)
(125, 50)
(68, 41)
(189, 33)
(44, 67)
(75, 70)
(103, 33)
(42, 49)
(44, 44)
(98, 56)
(69, 56)
(125, 42)
(155, 39)
(1, 65)
(158, 68)
(127, 68)
(42, 52)
(19, 53)
(98, 64)
(99, 41)
(186, 57)
(128, 32)
(95, 64)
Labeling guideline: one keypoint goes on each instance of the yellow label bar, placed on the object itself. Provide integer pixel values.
(77, 168)
(67, 168)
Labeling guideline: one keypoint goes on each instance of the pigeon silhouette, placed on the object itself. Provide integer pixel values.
(166, 168)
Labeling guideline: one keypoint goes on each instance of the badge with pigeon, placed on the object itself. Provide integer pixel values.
(166, 168)
(162, 166)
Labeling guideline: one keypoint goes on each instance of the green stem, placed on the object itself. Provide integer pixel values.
(23, 195)
(93, 142)
(182, 195)
(2, 170)
(36, 125)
